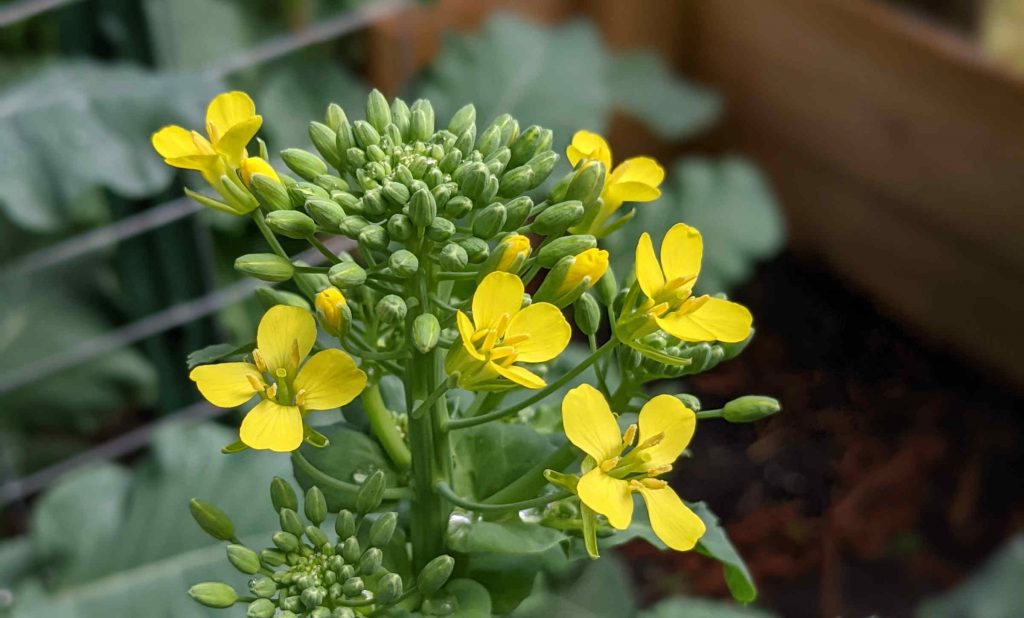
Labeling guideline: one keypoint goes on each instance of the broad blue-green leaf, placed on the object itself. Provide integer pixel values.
(601, 590)
(471, 599)
(489, 457)
(715, 544)
(503, 537)
(993, 591)
(644, 87)
(510, 578)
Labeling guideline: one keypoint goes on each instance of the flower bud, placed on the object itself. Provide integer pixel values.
(435, 575)
(262, 587)
(271, 297)
(352, 225)
(515, 181)
(285, 541)
(489, 221)
(365, 134)
(316, 536)
(373, 237)
(271, 194)
(272, 558)
(426, 330)
(516, 212)
(325, 140)
(306, 164)
(355, 157)
(489, 140)
(345, 524)
(572, 276)
(244, 559)
(300, 191)
(750, 408)
(497, 161)
(330, 183)
(563, 247)
(508, 256)
(391, 309)
(422, 208)
(542, 164)
(463, 119)
(396, 193)
(370, 561)
(689, 401)
(313, 596)
(403, 263)
(422, 120)
(474, 181)
(265, 266)
(335, 116)
(440, 230)
(354, 586)
(212, 520)
(292, 603)
(587, 183)
(335, 318)
(453, 257)
(587, 313)
(350, 550)
(389, 588)
(289, 520)
(371, 493)
(291, 224)
(450, 161)
(378, 113)
(261, 608)
(401, 117)
(383, 527)
(458, 207)
(325, 213)
(315, 505)
(557, 218)
(476, 249)
(607, 288)
(400, 227)
(213, 594)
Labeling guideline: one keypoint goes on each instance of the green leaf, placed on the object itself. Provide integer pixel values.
(994, 589)
(690, 607)
(510, 578)
(601, 590)
(504, 537)
(489, 457)
(350, 457)
(715, 544)
(471, 599)
(645, 88)
(217, 352)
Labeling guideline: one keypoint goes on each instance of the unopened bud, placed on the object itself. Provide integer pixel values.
(453, 257)
(313, 596)
(508, 256)
(383, 528)
(422, 120)
(563, 247)
(458, 207)
(306, 164)
(542, 164)
(262, 586)
(396, 193)
(440, 230)
(689, 401)
(291, 224)
(285, 541)
(354, 586)
(270, 193)
(391, 309)
(213, 594)
(212, 520)
(350, 550)
(517, 211)
(352, 225)
(463, 119)
(370, 561)
(316, 536)
(750, 408)
(335, 317)
(325, 140)
(371, 493)
(272, 557)
(476, 248)
(289, 520)
(422, 208)
(401, 117)
(587, 183)
(515, 181)
(345, 524)
(587, 313)
(271, 297)
(607, 287)
(403, 263)
(435, 575)
(557, 218)
(400, 227)
(244, 559)
(489, 221)
(373, 237)
(365, 134)
(378, 113)
(326, 213)
(389, 588)
(426, 331)
(315, 505)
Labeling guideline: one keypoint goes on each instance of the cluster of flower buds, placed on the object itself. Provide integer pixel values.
(306, 572)
(666, 356)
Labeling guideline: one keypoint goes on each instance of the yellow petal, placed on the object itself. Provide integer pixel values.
(232, 144)
(591, 264)
(715, 320)
(668, 416)
(226, 385)
(227, 110)
(672, 521)
(587, 145)
(330, 380)
(589, 424)
(681, 253)
(519, 375)
(497, 294)
(636, 180)
(547, 329)
(256, 165)
(648, 271)
(608, 496)
(272, 426)
(280, 331)
(173, 141)
(466, 331)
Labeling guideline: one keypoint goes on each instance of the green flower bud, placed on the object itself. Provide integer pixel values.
(373, 204)
(371, 493)
(378, 113)
(285, 541)
(422, 208)
(316, 536)
(213, 594)
(403, 263)
(435, 575)
(370, 561)
(750, 408)
(272, 558)
(345, 524)
(212, 520)
(396, 193)
(289, 520)
(322, 612)
(244, 559)
(587, 313)
(489, 221)
(299, 192)
(263, 587)
(291, 224)
(352, 225)
(272, 195)
(463, 119)
(607, 287)
(557, 218)
(261, 608)
(287, 614)
(306, 164)
(400, 227)
(292, 603)
(348, 571)
(335, 116)
(326, 213)
(265, 266)
(401, 117)
(474, 181)
(426, 331)
(440, 230)
(476, 248)
(551, 253)
(391, 309)
(350, 550)
(383, 528)
(489, 140)
(313, 596)
(346, 275)
(515, 181)
(325, 140)
(315, 506)
(373, 237)
(525, 146)
(458, 207)
(517, 211)
(365, 134)
(355, 157)
(389, 588)
(354, 586)
(542, 164)
(689, 401)
(271, 297)
(453, 257)
(497, 161)
(343, 612)
(330, 183)
(450, 161)
(423, 126)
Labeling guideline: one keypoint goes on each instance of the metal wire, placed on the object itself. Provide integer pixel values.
(20, 11)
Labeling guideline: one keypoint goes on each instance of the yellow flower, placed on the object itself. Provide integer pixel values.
(331, 307)
(669, 288)
(514, 249)
(587, 268)
(287, 387)
(613, 474)
(502, 333)
(634, 180)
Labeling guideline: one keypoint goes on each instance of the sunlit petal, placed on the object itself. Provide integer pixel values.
(636, 180)
(232, 144)
(256, 165)
(589, 423)
(173, 141)
(608, 496)
(466, 334)
(669, 417)
(715, 320)
(498, 293)
(330, 380)
(681, 252)
(280, 330)
(227, 110)
(648, 271)
(587, 145)
(672, 521)
(546, 329)
(272, 426)
(226, 385)
(519, 375)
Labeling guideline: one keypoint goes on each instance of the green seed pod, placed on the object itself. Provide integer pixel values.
(453, 257)
(346, 275)
(345, 524)
(516, 212)
(289, 520)
(391, 309)
(550, 254)
(272, 558)
(330, 183)
(325, 140)
(515, 181)
(263, 587)
(291, 224)
(350, 550)
(423, 127)
(401, 117)
(315, 506)
(383, 527)
(542, 164)
(213, 594)
(403, 263)
(306, 164)
(458, 207)
(557, 218)
(422, 208)
(212, 520)
(607, 287)
(426, 331)
(476, 248)
(435, 575)
(373, 237)
(326, 213)
(440, 230)
(271, 194)
(313, 596)
(689, 401)
(353, 586)
(378, 113)
(370, 561)
(365, 134)
(525, 145)
(463, 119)
(489, 221)
(335, 116)
(371, 493)
(389, 588)
(285, 541)
(271, 297)
(244, 559)
(396, 193)
(352, 225)
(316, 536)
(587, 313)
(750, 408)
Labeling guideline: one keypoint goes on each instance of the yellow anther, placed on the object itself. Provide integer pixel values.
(300, 397)
(296, 357)
(654, 483)
(609, 464)
(629, 436)
(257, 359)
(635, 485)
(256, 383)
(654, 440)
(480, 334)
(516, 339)
(502, 325)
(508, 360)
(693, 304)
(272, 391)
(677, 283)
(501, 352)
(658, 471)
(489, 340)
(658, 310)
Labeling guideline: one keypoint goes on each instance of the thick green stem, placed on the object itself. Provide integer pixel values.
(383, 425)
